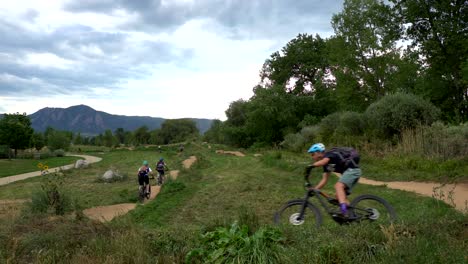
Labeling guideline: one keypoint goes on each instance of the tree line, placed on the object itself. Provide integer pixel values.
(16, 133)
(379, 49)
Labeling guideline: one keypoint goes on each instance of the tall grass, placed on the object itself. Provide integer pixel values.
(437, 141)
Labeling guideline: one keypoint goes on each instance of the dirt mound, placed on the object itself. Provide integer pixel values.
(189, 162)
(235, 153)
(452, 194)
(174, 174)
(107, 213)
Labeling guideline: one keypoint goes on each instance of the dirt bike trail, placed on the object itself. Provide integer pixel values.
(107, 213)
(19, 177)
(452, 194)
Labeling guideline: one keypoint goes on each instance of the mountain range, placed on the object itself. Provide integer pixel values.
(87, 121)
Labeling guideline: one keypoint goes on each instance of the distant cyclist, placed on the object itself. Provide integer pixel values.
(143, 176)
(161, 167)
(343, 161)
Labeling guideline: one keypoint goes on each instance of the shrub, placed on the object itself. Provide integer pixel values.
(225, 245)
(394, 113)
(59, 153)
(351, 123)
(293, 142)
(341, 125)
(51, 198)
(311, 134)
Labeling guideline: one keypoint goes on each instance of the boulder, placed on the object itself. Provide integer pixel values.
(81, 164)
(111, 175)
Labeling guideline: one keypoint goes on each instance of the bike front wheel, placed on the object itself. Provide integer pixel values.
(372, 208)
(290, 214)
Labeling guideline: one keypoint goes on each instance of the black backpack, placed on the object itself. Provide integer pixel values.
(349, 156)
(160, 165)
(142, 173)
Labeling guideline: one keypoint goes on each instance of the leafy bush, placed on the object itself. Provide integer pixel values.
(51, 198)
(341, 125)
(394, 113)
(293, 142)
(234, 244)
(59, 153)
(311, 134)
(351, 123)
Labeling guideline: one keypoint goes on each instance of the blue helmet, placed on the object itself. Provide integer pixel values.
(145, 163)
(317, 147)
(161, 159)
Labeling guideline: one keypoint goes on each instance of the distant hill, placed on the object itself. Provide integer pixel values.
(87, 121)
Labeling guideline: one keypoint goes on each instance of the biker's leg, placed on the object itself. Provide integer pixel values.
(346, 183)
(147, 184)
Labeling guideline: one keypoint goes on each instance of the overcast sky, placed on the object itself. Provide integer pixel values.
(170, 59)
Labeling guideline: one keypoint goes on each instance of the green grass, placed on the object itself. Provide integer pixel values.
(19, 166)
(217, 191)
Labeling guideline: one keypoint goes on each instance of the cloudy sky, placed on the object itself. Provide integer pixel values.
(160, 58)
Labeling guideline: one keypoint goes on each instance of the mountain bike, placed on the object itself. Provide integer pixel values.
(365, 207)
(161, 178)
(142, 194)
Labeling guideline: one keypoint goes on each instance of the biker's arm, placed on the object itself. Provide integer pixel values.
(321, 162)
(323, 181)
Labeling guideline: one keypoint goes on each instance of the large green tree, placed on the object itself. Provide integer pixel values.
(178, 130)
(365, 55)
(16, 131)
(438, 29)
(300, 67)
(141, 135)
(58, 139)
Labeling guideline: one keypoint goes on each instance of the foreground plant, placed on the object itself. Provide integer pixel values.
(234, 245)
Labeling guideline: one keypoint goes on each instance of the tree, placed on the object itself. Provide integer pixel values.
(438, 29)
(38, 140)
(119, 134)
(58, 140)
(78, 140)
(178, 130)
(141, 135)
(363, 53)
(300, 67)
(108, 138)
(272, 114)
(16, 131)
(215, 133)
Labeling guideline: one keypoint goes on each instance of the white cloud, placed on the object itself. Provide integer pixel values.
(186, 59)
(47, 60)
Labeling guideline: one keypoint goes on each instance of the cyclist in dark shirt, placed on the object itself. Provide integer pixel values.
(143, 175)
(333, 161)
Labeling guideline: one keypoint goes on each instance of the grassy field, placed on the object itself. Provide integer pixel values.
(18, 166)
(216, 192)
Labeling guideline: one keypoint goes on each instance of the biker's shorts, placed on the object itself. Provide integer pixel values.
(161, 172)
(350, 177)
(143, 179)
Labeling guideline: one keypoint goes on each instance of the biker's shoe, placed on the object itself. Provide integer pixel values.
(340, 217)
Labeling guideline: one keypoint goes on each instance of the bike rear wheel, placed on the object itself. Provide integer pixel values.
(141, 193)
(289, 214)
(372, 208)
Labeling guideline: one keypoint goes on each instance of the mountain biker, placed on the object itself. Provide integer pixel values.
(143, 175)
(161, 166)
(334, 161)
